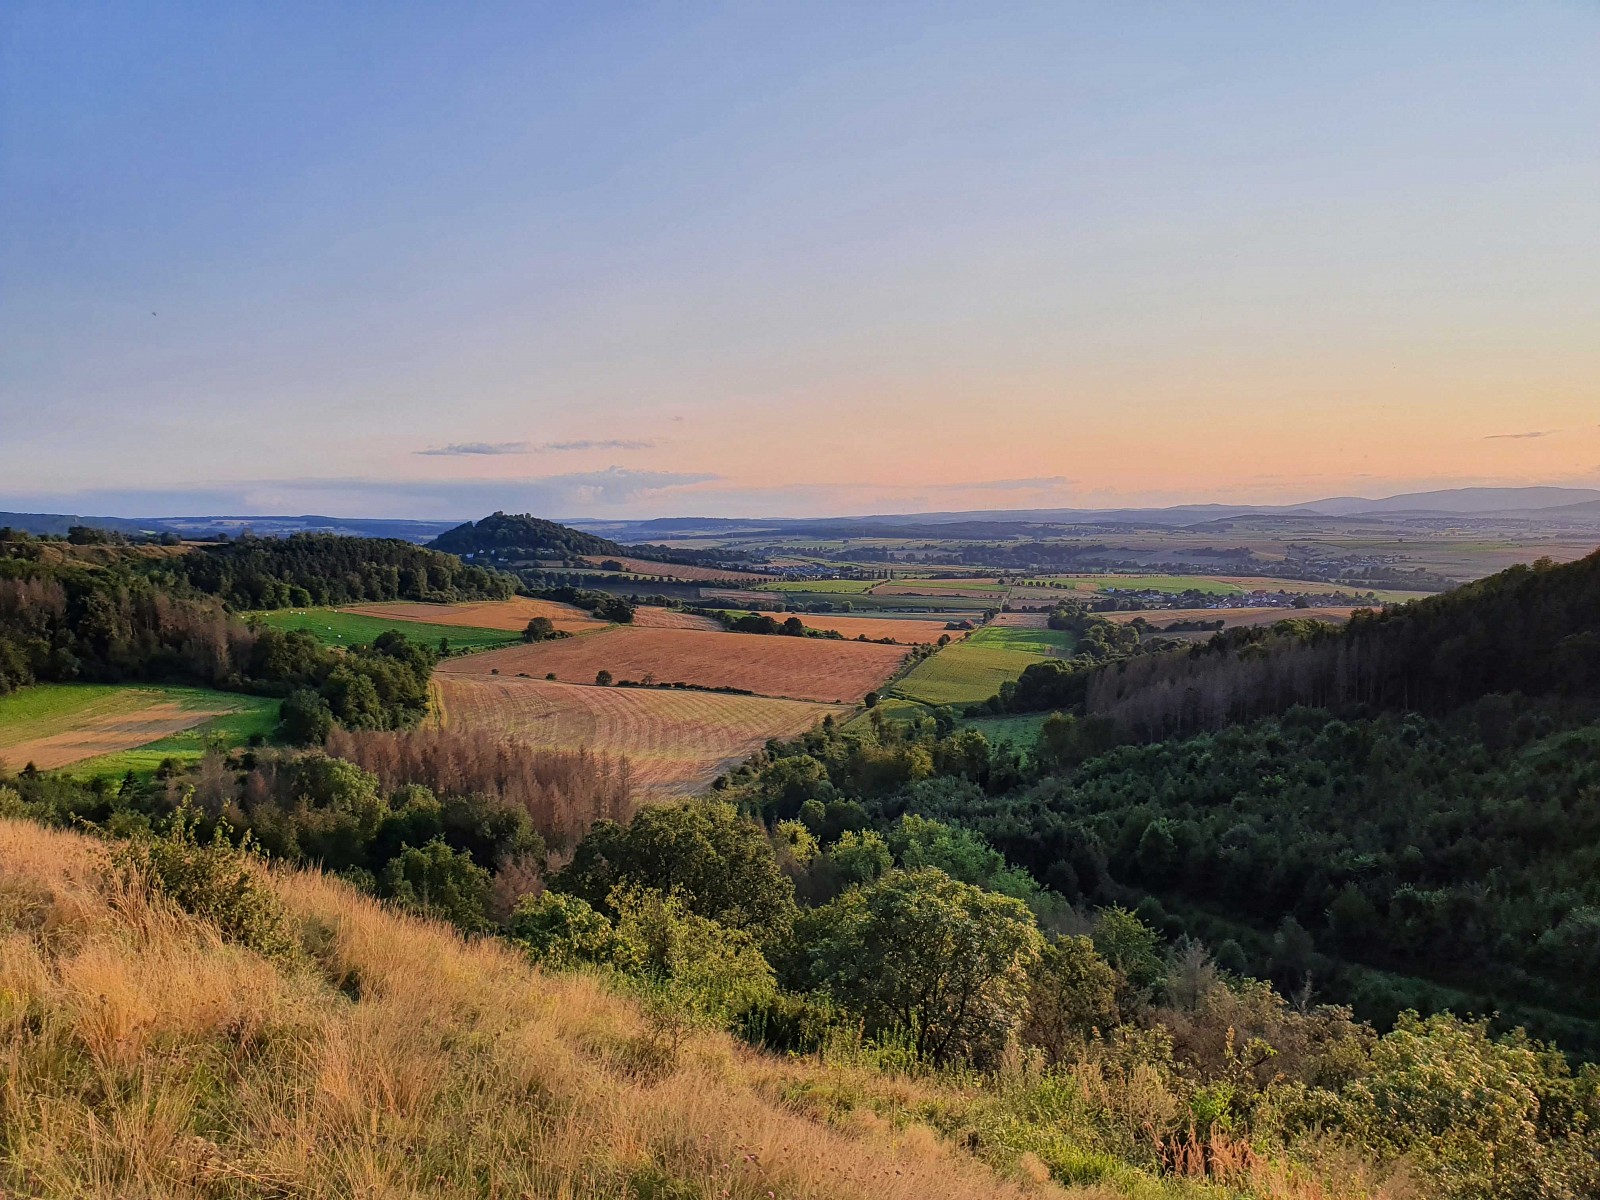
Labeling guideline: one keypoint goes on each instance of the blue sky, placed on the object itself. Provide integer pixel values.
(430, 260)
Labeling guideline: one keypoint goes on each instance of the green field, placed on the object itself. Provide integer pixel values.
(336, 628)
(1020, 730)
(972, 670)
(986, 581)
(821, 587)
(53, 709)
(1145, 583)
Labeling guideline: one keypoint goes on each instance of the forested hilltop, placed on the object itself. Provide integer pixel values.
(524, 536)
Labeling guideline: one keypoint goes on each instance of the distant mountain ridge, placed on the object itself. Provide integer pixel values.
(1549, 504)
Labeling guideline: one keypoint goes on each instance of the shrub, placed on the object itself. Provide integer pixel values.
(213, 880)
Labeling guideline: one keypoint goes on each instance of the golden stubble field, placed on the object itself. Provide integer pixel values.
(909, 631)
(767, 665)
(675, 741)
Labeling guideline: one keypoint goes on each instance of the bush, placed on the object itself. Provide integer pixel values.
(438, 882)
(213, 880)
(561, 932)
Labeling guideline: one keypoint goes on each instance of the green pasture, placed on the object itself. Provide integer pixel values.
(824, 587)
(1021, 730)
(51, 709)
(971, 670)
(335, 628)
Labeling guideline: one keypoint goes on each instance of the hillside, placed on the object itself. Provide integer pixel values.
(383, 1055)
(521, 536)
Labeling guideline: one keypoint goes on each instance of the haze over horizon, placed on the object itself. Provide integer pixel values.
(616, 262)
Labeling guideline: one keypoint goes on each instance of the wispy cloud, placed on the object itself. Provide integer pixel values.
(586, 444)
(1537, 433)
(469, 448)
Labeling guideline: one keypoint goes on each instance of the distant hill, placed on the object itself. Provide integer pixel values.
(226, 526)
(522, 535)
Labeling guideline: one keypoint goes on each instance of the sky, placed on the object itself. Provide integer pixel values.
(585, 259)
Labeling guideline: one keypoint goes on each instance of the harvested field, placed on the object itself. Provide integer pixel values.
(662, 570)
(666, 618)
(796, 668)
(675, 741)
(512, 615)
(1231, 617)
(908, 631)
(55, 725)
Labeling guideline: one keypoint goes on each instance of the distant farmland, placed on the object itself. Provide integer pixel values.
(791, 667)
(63, 724)
(675, 741)
(823, 586)
(973, 670)
(678, 571)
(966, 589)
(1232, 617)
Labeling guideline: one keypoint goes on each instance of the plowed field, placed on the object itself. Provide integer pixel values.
(791, 667)
(676, 741)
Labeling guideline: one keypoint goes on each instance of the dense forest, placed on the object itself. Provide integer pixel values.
(316, 569)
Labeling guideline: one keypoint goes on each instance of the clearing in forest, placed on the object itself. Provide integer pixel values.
(675, 741)
(61, 724)
(973, 670)
(768, 665)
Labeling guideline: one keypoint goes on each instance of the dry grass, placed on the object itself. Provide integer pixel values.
(142, 1057)
(675, 741)
(788, 667)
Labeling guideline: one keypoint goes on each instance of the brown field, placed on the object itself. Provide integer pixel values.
(912, 632)
(511, 615)
(122, 724)
(795, 668)
(1232, 617)
(913, 589)
(675, 741)
(1020, 620)
(650, 617)
(643, 566)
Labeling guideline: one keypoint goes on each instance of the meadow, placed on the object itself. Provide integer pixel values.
(974, 669)
(336, 627)
(768, 665)
(675, 741)
(106, 729)
(822, 587)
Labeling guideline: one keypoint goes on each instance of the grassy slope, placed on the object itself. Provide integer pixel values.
(387, 1057)
(973, 670)
(348, 629)
(50, 708)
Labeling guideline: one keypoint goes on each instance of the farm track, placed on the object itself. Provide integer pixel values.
(675, 741)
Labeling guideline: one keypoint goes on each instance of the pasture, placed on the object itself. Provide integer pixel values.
(110, 729)
(823, 587)
(954, 588)
(675, 741)
(790, 667)
(974, 669)
(509, 616)
(335, 627)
